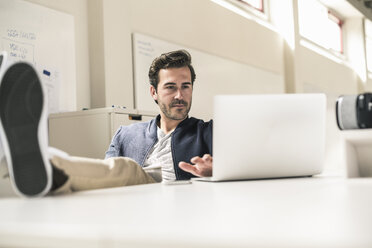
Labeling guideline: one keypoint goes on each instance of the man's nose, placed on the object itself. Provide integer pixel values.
(179, 94)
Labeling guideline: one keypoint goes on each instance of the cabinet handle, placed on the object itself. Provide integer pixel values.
(135, 117)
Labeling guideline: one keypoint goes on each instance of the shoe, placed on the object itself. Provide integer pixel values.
(23, 130)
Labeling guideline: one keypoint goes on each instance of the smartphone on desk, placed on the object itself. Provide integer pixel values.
(176, 182)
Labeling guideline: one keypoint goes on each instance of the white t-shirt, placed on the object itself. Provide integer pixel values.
(160, 156)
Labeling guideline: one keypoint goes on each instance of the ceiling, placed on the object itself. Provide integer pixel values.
(344, 8)
(364, 6)
(351, 8)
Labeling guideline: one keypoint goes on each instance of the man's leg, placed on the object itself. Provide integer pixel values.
(86, 173)
(23, 133)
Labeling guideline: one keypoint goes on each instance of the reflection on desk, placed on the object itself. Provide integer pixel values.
(299, 212)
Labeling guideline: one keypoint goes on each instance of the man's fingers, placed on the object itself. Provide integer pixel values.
(202, 166)
(196, 160)
(188, 167)
(207, 158)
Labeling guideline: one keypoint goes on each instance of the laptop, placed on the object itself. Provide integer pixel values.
(268, 136)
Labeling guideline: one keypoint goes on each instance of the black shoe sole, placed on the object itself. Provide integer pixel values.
(21, 106)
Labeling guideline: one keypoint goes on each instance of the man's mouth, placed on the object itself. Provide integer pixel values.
(179, 105)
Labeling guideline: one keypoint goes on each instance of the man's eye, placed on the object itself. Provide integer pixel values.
(170, 87)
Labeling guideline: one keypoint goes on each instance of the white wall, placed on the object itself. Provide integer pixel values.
(192, 23)
(320, 74)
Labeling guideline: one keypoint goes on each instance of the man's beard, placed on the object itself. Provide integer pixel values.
(179, 114)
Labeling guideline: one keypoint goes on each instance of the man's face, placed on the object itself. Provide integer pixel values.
(174, 92)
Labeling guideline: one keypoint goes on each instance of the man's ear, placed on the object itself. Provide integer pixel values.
(153, 93)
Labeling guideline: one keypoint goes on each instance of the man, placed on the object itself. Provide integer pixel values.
(172, 140)
(171, 77)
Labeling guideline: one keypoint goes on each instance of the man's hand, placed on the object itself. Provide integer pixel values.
(202, 166)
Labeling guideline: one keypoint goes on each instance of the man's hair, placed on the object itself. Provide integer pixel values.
(175, 59)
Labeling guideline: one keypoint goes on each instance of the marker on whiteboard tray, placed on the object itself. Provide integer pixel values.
(45, 72)
(117, 106)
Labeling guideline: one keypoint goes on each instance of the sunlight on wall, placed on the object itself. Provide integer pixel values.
(281, 15)
(368, 34)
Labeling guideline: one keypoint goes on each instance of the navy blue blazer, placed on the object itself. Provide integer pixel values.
(192, 137)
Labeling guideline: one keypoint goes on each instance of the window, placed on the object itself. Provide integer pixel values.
(320, 25)
(368, 37)
(247, 8)
(257, 4)
(255, 10)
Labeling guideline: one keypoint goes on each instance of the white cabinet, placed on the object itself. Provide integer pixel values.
(88, 133)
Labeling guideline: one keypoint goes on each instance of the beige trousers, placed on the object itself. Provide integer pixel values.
(86, 173)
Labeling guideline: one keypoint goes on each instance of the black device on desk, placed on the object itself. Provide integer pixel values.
(354, 111)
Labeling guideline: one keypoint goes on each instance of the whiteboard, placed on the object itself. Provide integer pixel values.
(45, 38)
(214, 76)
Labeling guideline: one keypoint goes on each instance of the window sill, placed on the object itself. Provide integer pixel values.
(334, 56)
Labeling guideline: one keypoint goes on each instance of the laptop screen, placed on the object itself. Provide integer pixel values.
(267, 136)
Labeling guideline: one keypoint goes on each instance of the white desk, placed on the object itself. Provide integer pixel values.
(302, 212)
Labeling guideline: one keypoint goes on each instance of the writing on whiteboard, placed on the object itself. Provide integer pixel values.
(20, 34)
(19, 45)
(145, 48)
(18, 50)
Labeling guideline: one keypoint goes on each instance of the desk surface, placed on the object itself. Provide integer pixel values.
(300, 212)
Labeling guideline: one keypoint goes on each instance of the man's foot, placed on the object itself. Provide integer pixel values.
(23, 130)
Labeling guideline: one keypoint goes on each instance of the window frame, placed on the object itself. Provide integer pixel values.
(251, 10)
(368, 49)
(261, 8)
(334, 17)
